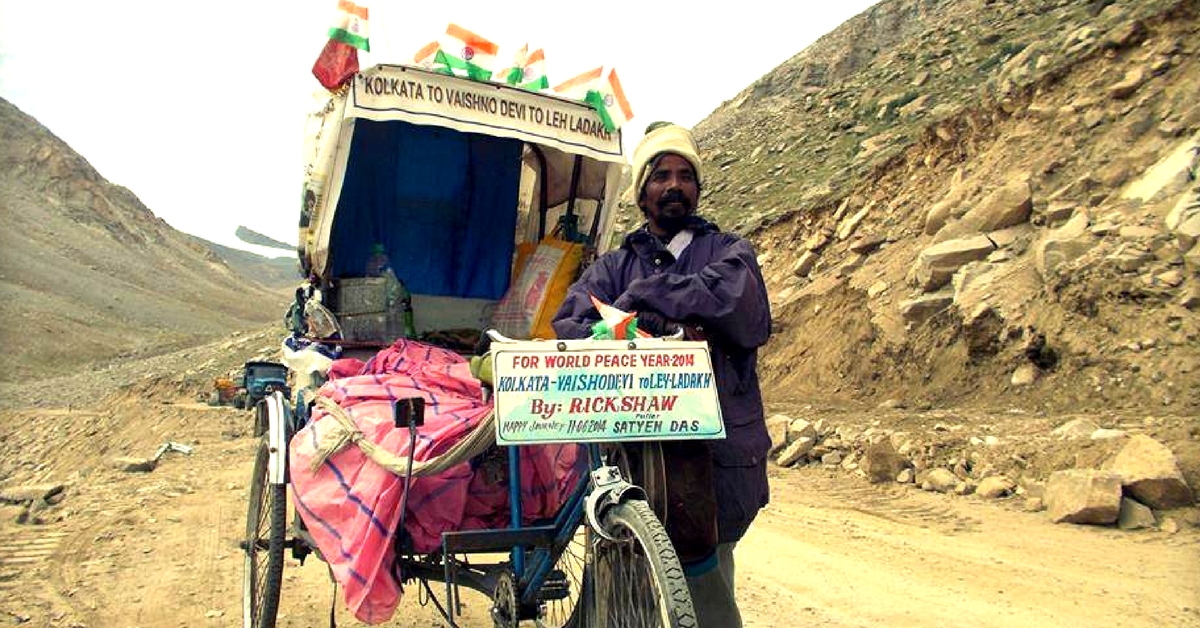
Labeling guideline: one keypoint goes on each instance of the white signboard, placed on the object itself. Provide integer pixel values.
(616, 390)
(397, 92)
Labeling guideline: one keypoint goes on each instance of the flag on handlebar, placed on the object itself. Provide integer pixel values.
(464, 53)
(338, 61)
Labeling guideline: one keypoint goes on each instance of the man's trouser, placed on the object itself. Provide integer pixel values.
(712, 593)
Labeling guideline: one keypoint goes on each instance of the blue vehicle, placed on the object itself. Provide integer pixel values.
(260, 379)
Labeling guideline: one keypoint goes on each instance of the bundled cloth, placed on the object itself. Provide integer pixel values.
(347, 468)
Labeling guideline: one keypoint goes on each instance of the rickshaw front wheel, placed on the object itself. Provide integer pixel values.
(638, 579)
(266, 520)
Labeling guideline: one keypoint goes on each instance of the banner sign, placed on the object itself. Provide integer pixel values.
(604, 390)
(397, 92)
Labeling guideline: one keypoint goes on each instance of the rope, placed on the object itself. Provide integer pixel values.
(344, 432)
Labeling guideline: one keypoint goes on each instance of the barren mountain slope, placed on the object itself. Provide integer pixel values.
(977, 202)
(87, 272)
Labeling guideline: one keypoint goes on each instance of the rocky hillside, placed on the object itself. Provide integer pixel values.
(977, 201)
(88, 273)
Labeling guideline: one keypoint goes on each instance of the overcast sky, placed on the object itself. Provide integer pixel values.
(199, 108)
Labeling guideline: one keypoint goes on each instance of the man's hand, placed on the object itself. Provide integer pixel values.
(656, 324)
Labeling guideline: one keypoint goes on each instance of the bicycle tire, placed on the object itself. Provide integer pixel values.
(638, 579)
(266, 518)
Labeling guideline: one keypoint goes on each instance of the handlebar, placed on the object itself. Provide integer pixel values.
(496, 336)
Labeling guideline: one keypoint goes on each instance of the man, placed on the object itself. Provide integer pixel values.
(681, 270)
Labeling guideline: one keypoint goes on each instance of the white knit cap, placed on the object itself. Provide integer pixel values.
(670, 138)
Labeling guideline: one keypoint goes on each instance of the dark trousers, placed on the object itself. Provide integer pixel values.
(712, 593)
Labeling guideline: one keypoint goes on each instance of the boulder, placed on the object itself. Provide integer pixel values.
(1007, 206)
(924, 307)
(1024, 375)
(1150, 473)
(1083, 496)
(800, 428)
(995, 487)
(882, 463)
(805, 264)
(1128, 84)
(777, 425)
(1134, 516)
(795, 451)
(1062, 245)
(935, 265)
(940, 480)
(846, 229)
(938, 214)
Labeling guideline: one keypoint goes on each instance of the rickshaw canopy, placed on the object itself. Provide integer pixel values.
(447, 173)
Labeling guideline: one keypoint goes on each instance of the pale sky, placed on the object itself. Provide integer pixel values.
(199, 108)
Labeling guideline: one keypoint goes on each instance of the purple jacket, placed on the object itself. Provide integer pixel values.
(717, 285)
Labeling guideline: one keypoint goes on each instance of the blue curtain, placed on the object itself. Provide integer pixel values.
(441, 202)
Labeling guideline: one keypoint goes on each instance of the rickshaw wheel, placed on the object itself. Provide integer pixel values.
(266, 518)
(638, 579)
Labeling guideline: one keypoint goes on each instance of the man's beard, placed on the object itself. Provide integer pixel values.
(672, 224)
(669, 221)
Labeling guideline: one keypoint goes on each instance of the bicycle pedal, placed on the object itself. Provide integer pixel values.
(556, 587)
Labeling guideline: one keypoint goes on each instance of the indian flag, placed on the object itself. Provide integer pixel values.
(616, 321)
(528, 70)
(338, 61)
(577, 88)
(426, 55)
(609, 100)
(464, 53)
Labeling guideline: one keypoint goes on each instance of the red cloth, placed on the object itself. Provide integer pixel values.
(351, 505)
(336, 64)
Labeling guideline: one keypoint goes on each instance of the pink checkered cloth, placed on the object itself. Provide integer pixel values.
(351, 505)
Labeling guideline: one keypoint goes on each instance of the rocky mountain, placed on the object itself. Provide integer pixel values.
(977, 201)
(274, 272)
(250, 236)
(88, 273)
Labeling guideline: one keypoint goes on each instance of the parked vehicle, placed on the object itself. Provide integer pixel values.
(259, 379)
(451, 180)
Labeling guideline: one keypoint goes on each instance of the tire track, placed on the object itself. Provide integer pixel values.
(899, 504)
(22, 552)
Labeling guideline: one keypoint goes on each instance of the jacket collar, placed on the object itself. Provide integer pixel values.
(643, 242)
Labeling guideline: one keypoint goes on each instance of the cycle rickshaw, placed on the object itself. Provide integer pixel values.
(451, 179)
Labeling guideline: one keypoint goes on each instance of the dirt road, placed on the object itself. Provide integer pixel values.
(124, 550)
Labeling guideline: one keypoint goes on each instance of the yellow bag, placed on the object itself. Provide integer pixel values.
(541, 277)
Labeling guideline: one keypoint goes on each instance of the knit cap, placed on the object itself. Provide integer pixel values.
(667, 138)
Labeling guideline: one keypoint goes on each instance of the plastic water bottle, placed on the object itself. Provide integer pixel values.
(406, 309)
(378, 265)
(377, 262)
